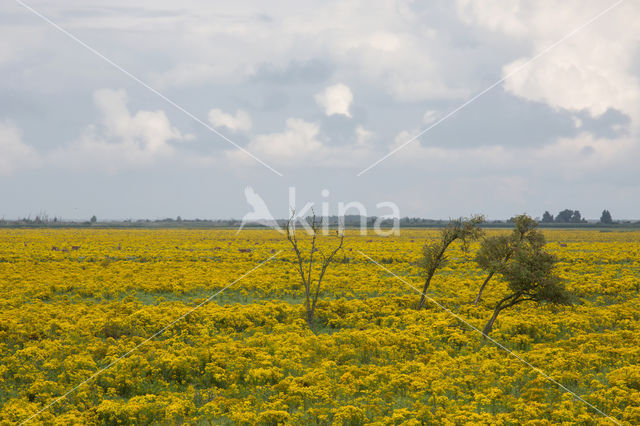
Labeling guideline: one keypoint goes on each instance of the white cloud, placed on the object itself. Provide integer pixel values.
(363, 136)
(584, 153)
(299, 145)
(408, 60)
(188, 74)
(385, 41)
(241, 122)
(577, 122)
(335, 99)
(429, 117)
(14, 153)
(592, 70)
(30, 38)
(388, 44)
(562, 79)
(496, 15)
(121, 139)
(299, 141)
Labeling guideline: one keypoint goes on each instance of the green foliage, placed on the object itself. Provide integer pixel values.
(527, 269)
(569, 216)
(564, 216)
(606, 217)
(433, 256)
(526, 232)
(576, 217)
(464, 230)
(530, 276)
(495, 252)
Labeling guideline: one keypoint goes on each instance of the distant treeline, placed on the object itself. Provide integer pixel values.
(564, 219)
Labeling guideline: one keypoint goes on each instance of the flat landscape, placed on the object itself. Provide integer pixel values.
(98, 309)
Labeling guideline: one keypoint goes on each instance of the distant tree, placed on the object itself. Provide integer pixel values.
(606, 217)
(179, 219)
(564, 216)
(93, 219)
(576, 217)
(547, 217)
(495, 251)
(433, 253)
(306, 263)
(493, 254)
(530, 277)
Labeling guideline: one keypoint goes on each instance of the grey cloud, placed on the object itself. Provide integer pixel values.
(611, 124)
(314, 71)
(502, 119)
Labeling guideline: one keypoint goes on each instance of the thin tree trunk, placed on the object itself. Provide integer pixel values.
(487, 328)
(484, 284)
(505, 303)
(423, 296)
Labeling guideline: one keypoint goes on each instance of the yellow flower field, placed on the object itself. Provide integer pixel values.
(75, 301)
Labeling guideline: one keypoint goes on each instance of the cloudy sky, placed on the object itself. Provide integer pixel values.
(152, 109)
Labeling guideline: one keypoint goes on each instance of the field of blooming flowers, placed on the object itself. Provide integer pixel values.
(74, 301)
